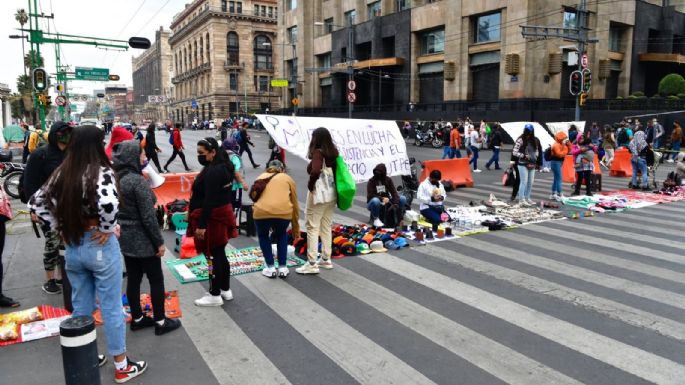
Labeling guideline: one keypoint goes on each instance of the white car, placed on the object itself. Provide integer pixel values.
(95, 123)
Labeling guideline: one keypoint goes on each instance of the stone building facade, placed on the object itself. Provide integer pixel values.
(224, 58)
(152, 73)
(435, 51)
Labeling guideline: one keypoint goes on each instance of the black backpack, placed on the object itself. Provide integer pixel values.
(623, 137)
(548, 154)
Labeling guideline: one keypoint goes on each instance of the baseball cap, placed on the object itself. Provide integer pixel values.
(401, 242)
(391, 245)
(529, 127)
(377, 247)
(348, 249)
(363, 248)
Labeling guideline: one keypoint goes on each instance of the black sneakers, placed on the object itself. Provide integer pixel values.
(7, 302)
(169, 325)
(146, 322)
(51, 287)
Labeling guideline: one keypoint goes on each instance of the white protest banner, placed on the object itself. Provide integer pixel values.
(515, 129)
(362, 143)
(555, 127)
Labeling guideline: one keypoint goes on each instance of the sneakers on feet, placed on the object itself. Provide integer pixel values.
(476, 170)
(227, 295)
(8, 302)
(102, 360)
(283, 272)
(209, 300)
(133, 370)
(269, 272)
(146, 322)
(378, 223)
(51, 287)
(307, 268)
(325, 264)
(169, 325)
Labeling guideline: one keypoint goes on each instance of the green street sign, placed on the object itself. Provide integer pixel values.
(93, 74)
(279, 83)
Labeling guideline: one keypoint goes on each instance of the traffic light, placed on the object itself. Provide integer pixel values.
(583, 98)
(576, 83)
(587, 80)
(40, 80)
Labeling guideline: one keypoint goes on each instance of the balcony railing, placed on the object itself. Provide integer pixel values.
(230, 65)
(264, 66)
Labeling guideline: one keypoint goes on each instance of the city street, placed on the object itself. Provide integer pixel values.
(597, 300)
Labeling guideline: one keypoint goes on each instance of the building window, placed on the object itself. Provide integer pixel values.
(292, 35)
(570, 18)
(233, 48)
(262, 84)
(328, 25)
(231, 6)
(488, 28)
(239, 6)
(290, 4)
(224, 7)
(349, 17)
(433, 42)
(325, 60)
(293, 69)
(271, 12)
(233, 81)
(262, 53)
(402, 5)
(373, 10)
(615, 39)
(256, 10)
(202, 50)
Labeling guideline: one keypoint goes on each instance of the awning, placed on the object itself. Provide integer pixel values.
(674, 58)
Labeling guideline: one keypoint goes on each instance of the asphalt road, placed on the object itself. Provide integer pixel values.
(598, 301)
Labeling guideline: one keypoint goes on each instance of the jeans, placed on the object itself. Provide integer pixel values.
(639, 165)
(675, 147)
(455, 153)
(587, 176)
(556, 170)
(657, 142)
(527, 176)
(494, 158)
(446, 152)
(318, 221)
(608, 156)
(95, 270)
(280, 228)
(474, 160)
(375, 205)
(136, 267)
(433, 215)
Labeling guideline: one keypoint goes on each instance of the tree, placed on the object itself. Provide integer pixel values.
(672, 84)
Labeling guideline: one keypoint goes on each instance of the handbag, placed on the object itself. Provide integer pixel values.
(344, 184)
(324, 188)
(5, 208)
(259, 186)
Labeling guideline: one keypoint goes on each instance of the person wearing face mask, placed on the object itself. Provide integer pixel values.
(211, 219)
(381, 191)
(141, 240)
(431, 194)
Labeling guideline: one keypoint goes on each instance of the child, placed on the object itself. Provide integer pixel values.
(583, 157)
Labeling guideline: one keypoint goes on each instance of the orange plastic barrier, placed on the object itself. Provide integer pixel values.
(456, 170)
(175, 186)
(621, 165)
(568, 170)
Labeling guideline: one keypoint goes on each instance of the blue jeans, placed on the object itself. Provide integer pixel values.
(433, 215)
(527, 178)
(675, 147)
(639, 165)
(375, 204)
(494, 158)
(96, 270)
(280, 228)
(556, 170)
(455, 153)
(474, 159)
(446, 152)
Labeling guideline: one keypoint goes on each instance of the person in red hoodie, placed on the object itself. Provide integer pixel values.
(119, 134)
(177, 144)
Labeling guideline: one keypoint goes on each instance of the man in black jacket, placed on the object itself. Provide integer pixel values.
(495, 144)
(381, 191)
(41, 164)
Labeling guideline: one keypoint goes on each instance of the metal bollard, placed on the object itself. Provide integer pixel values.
(79, 351)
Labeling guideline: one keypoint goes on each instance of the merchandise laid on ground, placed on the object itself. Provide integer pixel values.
(619, 200)
(31, 324)
(172, 307)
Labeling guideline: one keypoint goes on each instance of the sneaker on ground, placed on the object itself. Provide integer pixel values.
(325, 264)
(307, 268)
(133, 370)
(476, 170)
(283, 272)
(378, 223)
(209, 300)
(227, 295)
(169, 325)
(269, 271)
(146, 322)
(51, 287)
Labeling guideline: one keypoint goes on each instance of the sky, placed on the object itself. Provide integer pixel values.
(118, 19)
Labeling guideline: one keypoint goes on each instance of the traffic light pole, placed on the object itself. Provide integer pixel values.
(582, 39)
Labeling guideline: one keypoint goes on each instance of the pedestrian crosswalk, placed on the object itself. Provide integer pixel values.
(595, 301)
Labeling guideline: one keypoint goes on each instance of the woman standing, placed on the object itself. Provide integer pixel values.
(151, 148)
(5, 215)
(560, 148)
(474, 143)
(528, 151)
(638, 146)
(238, 185)
(80, 201)
(274, 210)
(676, 140)
(141, 240)
(583, 159)
(211, 220)
(322, 153)
(609, 145)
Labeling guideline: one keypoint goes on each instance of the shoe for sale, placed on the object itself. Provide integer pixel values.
(146, 322)
(378, 223)
(227, 295)
(133, 370)
(51, 287)
(8, 302)
(169, 325)
(209, 300)
(325, 264)
(102, 360)
(283, 272)
(307, 268)
(476, 170)
(269, 271)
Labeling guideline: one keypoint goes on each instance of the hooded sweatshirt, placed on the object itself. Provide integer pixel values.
(638, 143)
(140, 233)
(43, 161)
(119, 134)
(559, 149)
(381, 186)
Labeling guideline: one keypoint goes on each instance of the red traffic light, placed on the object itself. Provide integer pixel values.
(576, 83)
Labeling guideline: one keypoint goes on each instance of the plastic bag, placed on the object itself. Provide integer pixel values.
(344, 183)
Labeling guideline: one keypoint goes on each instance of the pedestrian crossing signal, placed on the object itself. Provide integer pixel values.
(583, 99)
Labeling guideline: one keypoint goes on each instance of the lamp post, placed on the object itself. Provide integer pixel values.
(349, 58)
(22, 18)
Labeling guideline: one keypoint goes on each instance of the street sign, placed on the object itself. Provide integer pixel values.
(351, 85)
(193, 104)
(93, 74)
(279, 83)
(295, 101)
(351, 97)
(60, 100)
(584, 60)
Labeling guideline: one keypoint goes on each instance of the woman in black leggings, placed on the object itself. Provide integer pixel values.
(151, 148)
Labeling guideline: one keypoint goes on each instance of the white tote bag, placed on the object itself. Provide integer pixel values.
(324, 188)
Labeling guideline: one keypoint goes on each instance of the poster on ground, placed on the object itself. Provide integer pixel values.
(515, 129)
(362, 143)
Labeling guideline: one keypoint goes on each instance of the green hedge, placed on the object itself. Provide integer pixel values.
(672, 84)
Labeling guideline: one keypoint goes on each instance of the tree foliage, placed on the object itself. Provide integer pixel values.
(672, 84)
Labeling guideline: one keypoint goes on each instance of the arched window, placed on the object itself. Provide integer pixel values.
(207, 40)
(233, 48)
(195, 54)
(202, 50)
(263, 53)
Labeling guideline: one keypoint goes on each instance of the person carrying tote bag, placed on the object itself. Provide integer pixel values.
(321, 200)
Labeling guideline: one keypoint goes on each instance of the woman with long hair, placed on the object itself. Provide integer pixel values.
(211, 219)
(151, 148)
(319, 216)
(80, 201)
(528, 151)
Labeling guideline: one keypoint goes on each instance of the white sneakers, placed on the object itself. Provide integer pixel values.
(269, 272)
(308, 268)
(283, 272)
(477, 170)
(378, 223)
(214, 300)
(227, 295)
(323, 264)
(670, 161)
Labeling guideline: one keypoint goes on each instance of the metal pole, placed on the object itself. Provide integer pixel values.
(380, 74)
(79, 351)
(293, 77)
(285, 90)
(582, 31)
(350, 70)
